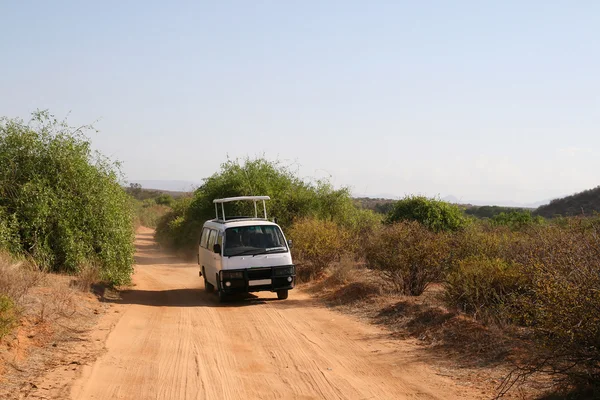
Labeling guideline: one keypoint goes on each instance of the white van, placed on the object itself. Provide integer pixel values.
(245, 254)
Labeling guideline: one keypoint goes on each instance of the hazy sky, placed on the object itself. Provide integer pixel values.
(479, 99)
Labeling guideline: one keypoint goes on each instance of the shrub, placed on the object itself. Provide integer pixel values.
(479, 239)
(60, 201)
(170, 230)
(489, 211)
(516, 220)
(436, 215)
(8, 315)
(408, 254)
(359, 226)
(564, 304)
(88, 276)
(164, 200)
(545, 277)
(149, 216)
(148, 212)
(292, 198)
(9, 232)
(485, 287)
(317, 243)
(343, 272)
(17, 277)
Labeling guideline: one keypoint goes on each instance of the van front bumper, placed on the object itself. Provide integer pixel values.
(259, 279)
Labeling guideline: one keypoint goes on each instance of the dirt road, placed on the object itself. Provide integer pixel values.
(174, 341)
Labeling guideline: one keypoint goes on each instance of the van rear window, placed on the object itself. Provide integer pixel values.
(204, 238)
(211, 239)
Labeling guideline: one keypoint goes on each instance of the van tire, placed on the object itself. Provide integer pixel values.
(282, 294)
(208, 287)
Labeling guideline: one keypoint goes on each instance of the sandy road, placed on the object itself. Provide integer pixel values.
(174, 341)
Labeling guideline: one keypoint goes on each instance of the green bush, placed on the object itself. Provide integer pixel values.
(170, 227)
(485, 287)
(60, 202)
(9, 232)
(316, 244)
(164, 200)
(409, 255)
(360, 225)
(148, 212)
(149, 216)
(292, 198)
(489, 211)
(516, 220)
(436, 215)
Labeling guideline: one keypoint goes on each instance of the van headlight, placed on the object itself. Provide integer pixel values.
(285, 271)
(233, 275)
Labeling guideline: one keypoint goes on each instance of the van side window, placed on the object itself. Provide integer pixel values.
(204, 238)
(211, 239)
(220, 240)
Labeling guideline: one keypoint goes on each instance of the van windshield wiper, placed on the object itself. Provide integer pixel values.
(258, 251)
(271, 250)
(244, 252)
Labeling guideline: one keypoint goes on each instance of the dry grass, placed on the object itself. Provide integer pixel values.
(50, 312)
(465, 347)
(343, 272)
(88, 276)
(17, 277)
(149, 216)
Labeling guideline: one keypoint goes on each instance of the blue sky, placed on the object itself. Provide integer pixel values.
(494, 101)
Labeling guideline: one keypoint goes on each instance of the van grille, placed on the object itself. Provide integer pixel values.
(259, 273)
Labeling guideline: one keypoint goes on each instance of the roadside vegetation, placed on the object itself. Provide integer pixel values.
(513, 272)
(150, 205)
(61, 204)
(66, 226)
(292, 200)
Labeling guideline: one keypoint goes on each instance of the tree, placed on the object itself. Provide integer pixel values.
(291, 199)
(516, 219)
(61, 202)
(435, 214)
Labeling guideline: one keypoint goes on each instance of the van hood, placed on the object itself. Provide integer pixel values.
(261, 260)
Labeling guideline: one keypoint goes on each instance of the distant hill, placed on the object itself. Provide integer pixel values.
(461, 201)
(584, 203)
(379, 205)
(490, 211)
(168, 185)
(383, 206)
(140, 193)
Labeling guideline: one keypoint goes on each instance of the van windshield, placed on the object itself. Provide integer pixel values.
(253, 240)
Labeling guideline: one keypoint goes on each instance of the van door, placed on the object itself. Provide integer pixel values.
(210, 261)
(202, 246)
(218, 258)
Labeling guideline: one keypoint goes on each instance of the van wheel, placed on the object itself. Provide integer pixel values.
(209, 287)
(282, 294)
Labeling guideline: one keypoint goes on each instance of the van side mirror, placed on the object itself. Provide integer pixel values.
(290, 244)
(217, 248)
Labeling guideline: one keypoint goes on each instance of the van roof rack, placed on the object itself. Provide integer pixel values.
(255, 199)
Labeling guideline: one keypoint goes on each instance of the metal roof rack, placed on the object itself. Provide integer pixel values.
(241, 198)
